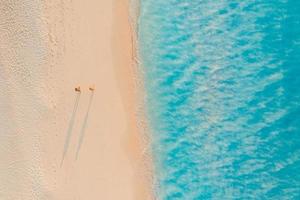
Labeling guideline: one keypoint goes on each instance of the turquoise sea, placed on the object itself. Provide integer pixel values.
(222, 80)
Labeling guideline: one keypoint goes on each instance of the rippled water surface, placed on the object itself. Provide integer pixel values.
(222, 81)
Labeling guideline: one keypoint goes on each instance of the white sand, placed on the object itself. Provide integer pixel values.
(46, 49)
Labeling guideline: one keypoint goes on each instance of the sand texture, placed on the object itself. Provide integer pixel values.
(56, 143)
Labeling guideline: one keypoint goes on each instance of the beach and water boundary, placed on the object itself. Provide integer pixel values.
(192, 99)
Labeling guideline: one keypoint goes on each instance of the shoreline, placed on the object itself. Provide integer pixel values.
(136, 113)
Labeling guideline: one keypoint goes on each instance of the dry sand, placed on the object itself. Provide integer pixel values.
(46, 49)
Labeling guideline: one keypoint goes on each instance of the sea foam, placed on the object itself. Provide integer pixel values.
(223, 97)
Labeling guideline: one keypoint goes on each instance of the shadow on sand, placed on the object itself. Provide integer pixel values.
(84, 125)
(70, 128)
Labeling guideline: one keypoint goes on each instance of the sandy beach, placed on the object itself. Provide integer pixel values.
(57, 143)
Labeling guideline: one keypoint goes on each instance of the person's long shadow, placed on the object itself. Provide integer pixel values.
(84, 125)
(70, 128)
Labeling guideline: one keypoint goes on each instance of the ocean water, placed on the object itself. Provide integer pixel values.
(222, 81)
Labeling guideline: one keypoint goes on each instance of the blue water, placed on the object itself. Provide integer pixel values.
(222, 80)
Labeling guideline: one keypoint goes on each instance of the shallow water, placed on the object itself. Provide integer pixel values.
(223, 97)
